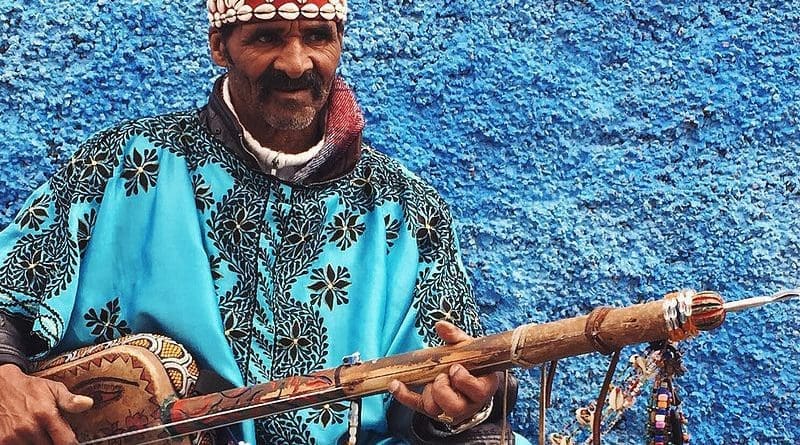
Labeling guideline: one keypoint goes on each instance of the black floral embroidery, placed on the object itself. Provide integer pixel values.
(427, 233)
(287, 428)
(367, 188)
(214, 263)
(107, 325)
(330, 286)
(300, 232)
(202, 193)
(236, 280)
(85, 226)
(236, 322)
(233, 330)
(345, 229)
(256, 268)
(34, 269)
(392, 231)
(445, 312)
(328, 414)
(364, 184)
(73, 167)
(41, 265)
(439, 297)
(301, 339)
(294, 341)
(33, 217)
(96, 166)
(140, 171)
(243, 224)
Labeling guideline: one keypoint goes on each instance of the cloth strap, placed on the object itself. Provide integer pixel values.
(601, 398)
(592, 330)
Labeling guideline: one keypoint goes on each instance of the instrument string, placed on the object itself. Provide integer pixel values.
(517, 348)
(165, 427)
(213, 416)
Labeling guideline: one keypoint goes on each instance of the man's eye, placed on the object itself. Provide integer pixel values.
(319, 37)
(267, 38)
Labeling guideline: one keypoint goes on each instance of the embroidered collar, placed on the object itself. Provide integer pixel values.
(272, 161)
(341, 146)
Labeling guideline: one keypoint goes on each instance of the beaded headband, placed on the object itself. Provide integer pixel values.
(223, 12)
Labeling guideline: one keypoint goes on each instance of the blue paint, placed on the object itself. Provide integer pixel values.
(594, 153)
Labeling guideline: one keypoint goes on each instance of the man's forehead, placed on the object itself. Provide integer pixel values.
(225, 12)
(285, 25)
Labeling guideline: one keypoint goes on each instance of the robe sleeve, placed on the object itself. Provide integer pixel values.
(40, 250)
(442, 290)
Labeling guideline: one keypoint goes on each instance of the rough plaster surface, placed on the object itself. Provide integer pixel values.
(595, 153)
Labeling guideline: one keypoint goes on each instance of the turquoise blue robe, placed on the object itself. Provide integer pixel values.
(153, 226)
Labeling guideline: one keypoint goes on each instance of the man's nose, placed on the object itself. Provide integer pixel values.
(293, 59)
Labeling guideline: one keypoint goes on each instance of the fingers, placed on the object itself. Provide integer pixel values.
(450, 333)
(67, 401)
(30, 434)
(425, 403)
(430, 405)
(58, 429)
(30, 410)
(55, 425)
(441, 396)
(447, 398)
(407, 397)
(476, 389)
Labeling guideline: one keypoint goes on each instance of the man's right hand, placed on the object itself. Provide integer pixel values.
(30, 409)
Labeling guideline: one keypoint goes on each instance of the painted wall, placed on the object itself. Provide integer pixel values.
(594, 152)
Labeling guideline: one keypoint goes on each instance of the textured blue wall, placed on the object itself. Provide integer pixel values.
(594, 152)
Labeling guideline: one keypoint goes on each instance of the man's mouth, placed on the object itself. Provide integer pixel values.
(293, 93)
(291, 90)
(278, 83)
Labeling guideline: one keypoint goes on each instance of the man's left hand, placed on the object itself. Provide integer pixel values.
(452, 397)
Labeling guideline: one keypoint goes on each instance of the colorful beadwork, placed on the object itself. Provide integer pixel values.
(667, 422)
(660, 362)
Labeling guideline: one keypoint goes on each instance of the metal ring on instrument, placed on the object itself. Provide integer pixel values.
(674, 331)
(670, 314)
(678, 315)
(682, 306)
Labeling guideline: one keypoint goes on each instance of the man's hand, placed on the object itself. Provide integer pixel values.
(457, 394)
(30, 409)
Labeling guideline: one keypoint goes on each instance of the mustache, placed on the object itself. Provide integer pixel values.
(274, 79)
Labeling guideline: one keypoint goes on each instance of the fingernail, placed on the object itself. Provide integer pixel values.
(394, 385)
(82, 399)
(455, 369)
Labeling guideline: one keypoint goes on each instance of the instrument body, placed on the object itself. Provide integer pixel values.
(130, 380)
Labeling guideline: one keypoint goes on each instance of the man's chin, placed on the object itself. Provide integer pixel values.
(290, 118)
(294, 110)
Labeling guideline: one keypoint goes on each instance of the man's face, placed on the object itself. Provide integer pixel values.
(280, 71)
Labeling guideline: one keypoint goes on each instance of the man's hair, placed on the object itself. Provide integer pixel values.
(226, 32)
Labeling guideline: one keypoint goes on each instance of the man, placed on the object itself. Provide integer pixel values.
(259, 232)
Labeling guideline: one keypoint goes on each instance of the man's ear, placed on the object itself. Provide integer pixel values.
(217, 45)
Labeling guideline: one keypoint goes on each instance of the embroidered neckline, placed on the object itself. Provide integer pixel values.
(270, 160)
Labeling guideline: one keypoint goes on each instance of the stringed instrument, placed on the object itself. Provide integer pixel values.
(142, 384)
